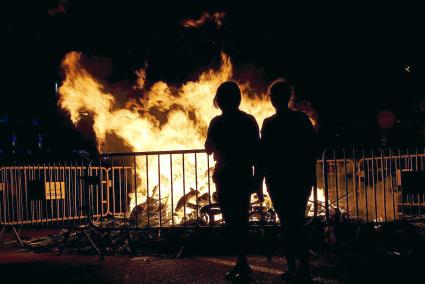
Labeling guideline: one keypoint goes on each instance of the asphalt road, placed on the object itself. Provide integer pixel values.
(21, 266)
(372, 262)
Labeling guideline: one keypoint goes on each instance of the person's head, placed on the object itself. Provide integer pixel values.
(228, 97)
(280, 92)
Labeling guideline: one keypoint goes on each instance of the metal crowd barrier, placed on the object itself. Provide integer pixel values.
(49, 194)
(372, 185)
(173, 189)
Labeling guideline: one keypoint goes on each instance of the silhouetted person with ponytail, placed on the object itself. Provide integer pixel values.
(288, 148)
(233, 139)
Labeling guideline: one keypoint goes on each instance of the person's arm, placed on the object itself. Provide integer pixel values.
(311, 136)
(311, 150)
(209, 142)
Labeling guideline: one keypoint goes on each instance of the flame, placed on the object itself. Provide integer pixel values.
(141, 79)
(165, 118)
(216, 18)
(320, 202)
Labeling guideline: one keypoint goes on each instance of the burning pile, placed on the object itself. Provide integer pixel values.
(164, 117)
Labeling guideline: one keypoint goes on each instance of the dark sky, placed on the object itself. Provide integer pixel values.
(348, 59)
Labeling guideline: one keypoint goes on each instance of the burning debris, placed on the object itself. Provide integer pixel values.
(192, 209)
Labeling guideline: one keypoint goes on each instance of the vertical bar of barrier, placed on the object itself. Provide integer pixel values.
(27, 202)
(18, 194)
(12, 178)
(366, 175)
(184, 189)
(33, 203)
(418, 195)
(40, 202)
(401, 185)
(210, 221)
(315, 207)
(346, 181)
(384, 181)
(56, 181)
(113, 194)
(392, 184)
(63, 190)
(2, 184)
(135, 189)
(124, 183)
(325, 185)
(47, 179)
(172, 190)
(374, 180)
(49, 182)
(356, 184)
(196, 190)
(12, 193)
(159, 191)
(100, 188)
(209, 180)
(81, 192)
(75, 193)
(68, 197)
(147, 187)
(52, 182)
(422, 169)
(410, 168)
(23, 205)
(336, 178)
(120, 189)
(9, 213)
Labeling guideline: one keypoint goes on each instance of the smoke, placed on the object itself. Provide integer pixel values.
(58, 8)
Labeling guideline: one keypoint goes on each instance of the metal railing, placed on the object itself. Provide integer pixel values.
(50, 194)
(174, 189)
(367, 185)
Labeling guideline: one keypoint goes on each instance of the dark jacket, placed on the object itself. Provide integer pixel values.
(234, 139)
(288, 148)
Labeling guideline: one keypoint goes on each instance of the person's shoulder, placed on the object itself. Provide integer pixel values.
(299, 115)
(248, 117)
(269, 120)
(216, 119)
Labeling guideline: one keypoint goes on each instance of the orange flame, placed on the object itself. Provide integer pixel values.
(184, 116)
(216, 18)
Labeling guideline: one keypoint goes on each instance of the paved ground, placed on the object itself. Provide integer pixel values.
(22, 266)
(27, 267)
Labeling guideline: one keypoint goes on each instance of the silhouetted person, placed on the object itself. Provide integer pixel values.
(288, 143)
(233, 138)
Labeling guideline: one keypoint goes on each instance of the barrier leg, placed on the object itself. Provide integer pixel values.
(65, 241)
(16, 233)
(18, 238)
(92, 244)
(2, 231)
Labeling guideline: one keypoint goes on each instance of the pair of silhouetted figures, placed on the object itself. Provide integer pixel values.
(285, 156)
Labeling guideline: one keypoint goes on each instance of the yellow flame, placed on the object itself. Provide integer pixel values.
(166, 118)
(319, 202)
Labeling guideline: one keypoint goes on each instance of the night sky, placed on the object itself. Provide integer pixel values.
(349, 60)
